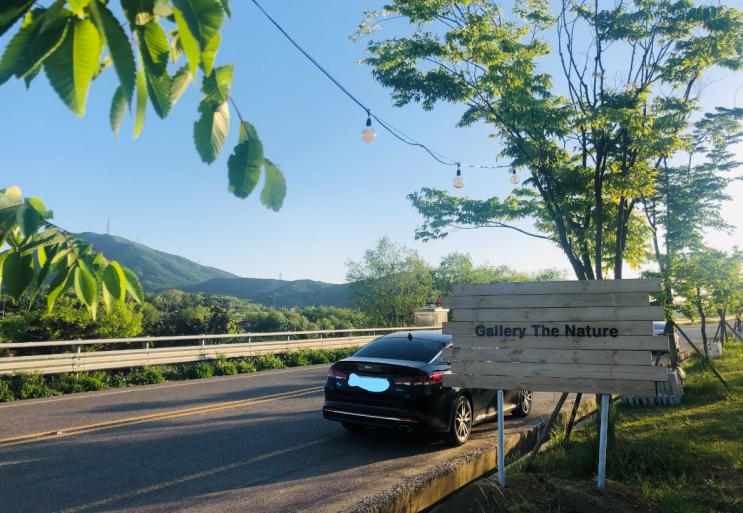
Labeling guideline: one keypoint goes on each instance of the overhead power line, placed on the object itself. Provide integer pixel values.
(391, 129)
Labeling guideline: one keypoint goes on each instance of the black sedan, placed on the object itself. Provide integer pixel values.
(396, 382)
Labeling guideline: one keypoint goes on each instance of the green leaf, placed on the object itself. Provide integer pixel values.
(3, 256)
(11, 12)
(154, 45)
(189, 43)
(227, 9)
(119, 48)
(59, 68)
(105, 63)
(210, 131)
(274, 190)
(86, 287)
(18, 272)
(180, 83)
(86, 52)
(18, 44)
(77, 6)
(138, 12)
(158, 89)
(31, 76)
(9, 204)
(217, 85)
(244, 168)
(118, 107)
(163, 9)
(176, 47)
(60, 283)
(203, 17)
(132, 286)
(208, 55)
(141, 104)
(41, 45)
(29, 220)
(39, 206)
(247, 132)
(114, 284)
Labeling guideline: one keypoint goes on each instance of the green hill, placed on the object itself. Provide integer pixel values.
(158, 271)
(299, 293)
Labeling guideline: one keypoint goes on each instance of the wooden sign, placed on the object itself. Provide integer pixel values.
(575, 336)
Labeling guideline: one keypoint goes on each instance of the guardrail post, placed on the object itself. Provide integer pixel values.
(201, 340)
(145, 345)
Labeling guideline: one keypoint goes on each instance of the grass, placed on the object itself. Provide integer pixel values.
(688, 457)
(25, 385)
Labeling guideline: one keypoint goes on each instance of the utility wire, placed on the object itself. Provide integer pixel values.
(394, 131)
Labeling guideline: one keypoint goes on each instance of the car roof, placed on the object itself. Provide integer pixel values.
(435, 336)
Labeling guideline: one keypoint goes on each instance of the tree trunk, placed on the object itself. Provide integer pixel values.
(704, 322)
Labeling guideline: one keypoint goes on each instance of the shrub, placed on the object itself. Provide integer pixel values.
(6, 394)
(225, 369)
(174, 372)
(26, 385)
(74, 383)
(243, 367)
(200, 370)
(266, 361)
(296, 358)
(146, 376)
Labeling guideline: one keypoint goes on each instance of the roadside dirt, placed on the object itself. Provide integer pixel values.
(531, 494)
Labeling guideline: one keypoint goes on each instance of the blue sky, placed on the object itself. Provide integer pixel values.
(343, 194)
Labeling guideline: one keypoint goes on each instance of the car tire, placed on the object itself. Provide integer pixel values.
(461, 423)
(523, 408)
(353, 427)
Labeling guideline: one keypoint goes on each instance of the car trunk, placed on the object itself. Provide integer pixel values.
(380, 369)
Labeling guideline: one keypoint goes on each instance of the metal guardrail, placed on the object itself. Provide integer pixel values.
(78, 360)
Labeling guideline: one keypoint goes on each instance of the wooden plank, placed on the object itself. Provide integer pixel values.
(647, 343)
(557, 287)
(565, 315)
(624, 328)
(539, 384)
(549, 356)
(557, 370)
(548, 301)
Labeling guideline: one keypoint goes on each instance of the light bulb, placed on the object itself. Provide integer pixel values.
(458, 180)
(368, 135)
(515, 179)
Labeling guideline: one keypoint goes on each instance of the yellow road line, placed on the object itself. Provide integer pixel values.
(143, 389)
(50, 435)
(205, 473)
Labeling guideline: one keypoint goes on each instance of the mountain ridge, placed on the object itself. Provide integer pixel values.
(158, 271)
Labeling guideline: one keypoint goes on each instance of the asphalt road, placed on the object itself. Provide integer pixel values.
(252, 442)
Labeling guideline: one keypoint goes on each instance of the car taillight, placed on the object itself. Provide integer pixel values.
(333, 373)
(417, 381)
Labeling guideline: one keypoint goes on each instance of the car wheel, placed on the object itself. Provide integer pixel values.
(461, 423)
(523, 408)
(353, 427)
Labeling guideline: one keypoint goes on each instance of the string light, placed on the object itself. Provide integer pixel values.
(458, 180)
(514, 177)
(368, 134)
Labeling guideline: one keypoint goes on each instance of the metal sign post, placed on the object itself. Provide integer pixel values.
(602, 440)
(501, 456)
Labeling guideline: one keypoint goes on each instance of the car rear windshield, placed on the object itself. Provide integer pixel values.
(415, 350)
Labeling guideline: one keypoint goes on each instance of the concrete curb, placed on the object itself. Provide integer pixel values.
(425, 490)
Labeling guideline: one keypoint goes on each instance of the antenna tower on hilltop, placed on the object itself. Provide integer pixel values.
(108, 227)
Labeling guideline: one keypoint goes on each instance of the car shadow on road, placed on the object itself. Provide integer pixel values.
(244, 455)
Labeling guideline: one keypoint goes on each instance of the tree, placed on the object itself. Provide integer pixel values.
(67, 41)
(592, 153)
(688, 198)
(389, 283)
(40, 251)
(708, 280)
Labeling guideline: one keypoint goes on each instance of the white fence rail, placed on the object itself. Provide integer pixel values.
(79, 360)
